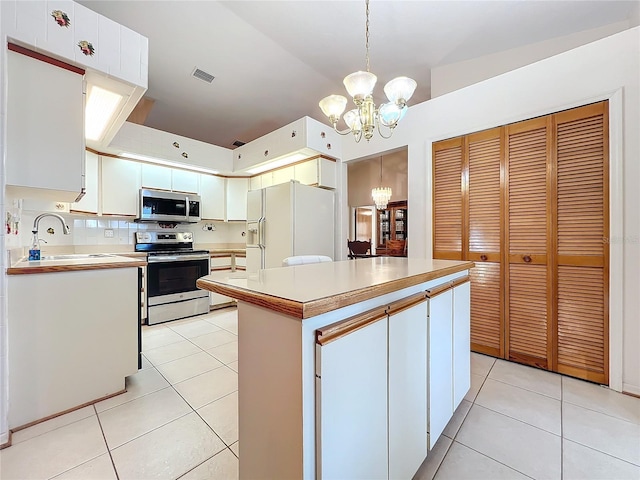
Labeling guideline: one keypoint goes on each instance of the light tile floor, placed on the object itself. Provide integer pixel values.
(179, 419)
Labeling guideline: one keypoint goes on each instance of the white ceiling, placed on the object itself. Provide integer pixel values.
(274, 60)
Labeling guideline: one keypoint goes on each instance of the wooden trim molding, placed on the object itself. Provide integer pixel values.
(343, 328)
(43, 58)
(405, 303)
(439, 289)
(74, 268)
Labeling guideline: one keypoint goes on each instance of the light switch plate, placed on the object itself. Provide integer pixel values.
(108, 233)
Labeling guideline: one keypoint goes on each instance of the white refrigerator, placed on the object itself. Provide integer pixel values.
(286, 220)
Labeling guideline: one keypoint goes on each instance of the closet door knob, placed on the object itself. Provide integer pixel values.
(483, 258)
(526, 258)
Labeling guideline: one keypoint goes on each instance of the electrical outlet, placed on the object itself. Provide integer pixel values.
(108, 233)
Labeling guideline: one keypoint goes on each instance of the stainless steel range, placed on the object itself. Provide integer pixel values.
(172, 270)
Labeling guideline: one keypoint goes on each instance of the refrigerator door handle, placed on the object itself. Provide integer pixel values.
(253, 234)
(261, 223)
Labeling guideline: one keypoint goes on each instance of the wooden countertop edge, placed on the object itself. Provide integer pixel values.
(278, 304)
(313, 308)
(73, 268)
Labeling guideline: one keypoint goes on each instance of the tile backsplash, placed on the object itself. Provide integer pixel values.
(94, 230)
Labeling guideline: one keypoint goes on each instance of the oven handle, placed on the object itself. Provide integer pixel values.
(176, 258)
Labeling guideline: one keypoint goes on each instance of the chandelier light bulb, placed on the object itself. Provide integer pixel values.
(400, 89)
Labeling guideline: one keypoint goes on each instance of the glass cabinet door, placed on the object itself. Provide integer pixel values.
(400, 223)
(384, 227)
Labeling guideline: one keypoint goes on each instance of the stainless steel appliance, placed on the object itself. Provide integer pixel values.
(170, 207)
(173, 267)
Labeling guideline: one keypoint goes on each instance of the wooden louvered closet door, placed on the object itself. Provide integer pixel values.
(528, 203)
(483, 235)
(447, 199)
(528, 313)
(581, 211)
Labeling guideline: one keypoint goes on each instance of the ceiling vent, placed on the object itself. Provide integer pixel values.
(238, 143)
(202, 75)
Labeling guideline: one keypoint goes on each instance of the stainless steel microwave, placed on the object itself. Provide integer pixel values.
(161, 206)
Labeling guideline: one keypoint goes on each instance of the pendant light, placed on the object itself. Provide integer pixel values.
(381, 195)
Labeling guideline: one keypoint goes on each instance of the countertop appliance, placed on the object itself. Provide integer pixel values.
(169, 207)
(173, 267)
(286, 220)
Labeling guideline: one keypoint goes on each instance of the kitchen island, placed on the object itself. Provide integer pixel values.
(348, 369)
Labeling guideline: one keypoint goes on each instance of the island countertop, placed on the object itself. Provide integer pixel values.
(304, 291)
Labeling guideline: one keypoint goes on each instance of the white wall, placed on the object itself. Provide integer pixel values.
(4, 382)
(455, 76)
(607, 68)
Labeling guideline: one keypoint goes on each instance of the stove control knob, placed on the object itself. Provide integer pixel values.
(188, 236)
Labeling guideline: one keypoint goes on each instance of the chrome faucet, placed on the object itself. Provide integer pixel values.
(65, 229)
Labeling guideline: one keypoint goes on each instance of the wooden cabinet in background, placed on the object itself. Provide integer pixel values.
(392, 230)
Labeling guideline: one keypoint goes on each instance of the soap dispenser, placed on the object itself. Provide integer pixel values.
(34, 250)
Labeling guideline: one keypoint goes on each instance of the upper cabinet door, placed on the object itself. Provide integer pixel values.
(185, 181)
(120, 186)
(237, 189)
(155, 176)
(45, 127)
(212, 196)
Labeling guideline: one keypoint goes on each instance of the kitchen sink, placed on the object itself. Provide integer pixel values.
(74, 256)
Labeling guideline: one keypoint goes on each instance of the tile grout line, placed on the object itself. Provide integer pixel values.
(113, 463)
(561, 428)
(524, 388)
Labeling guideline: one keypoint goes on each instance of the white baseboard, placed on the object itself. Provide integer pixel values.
(633, 389)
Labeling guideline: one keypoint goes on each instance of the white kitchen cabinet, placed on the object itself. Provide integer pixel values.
(266, 179)
(237, 189)
(461, 342)
(212, 197)
(283, 175)
(155, 176)
(440, 351)
(75, 344)
(407, 386)
(306, 172)
(319, 172)
(239, 262)
(120, 180)
(351, 394)
(45, 129)
(89, 202)
(305, 137)
(327, 173)
(255, 183)
(185, 181)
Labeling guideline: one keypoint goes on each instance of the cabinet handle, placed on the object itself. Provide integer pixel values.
(322, 134)
(266, 153)
(526, 258)
(293, 134)
(328, 146)
(483, 258)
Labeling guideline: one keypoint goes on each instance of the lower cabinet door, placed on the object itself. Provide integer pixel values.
(461, 342)
(407, 390)
(440, 364)
(351, 405)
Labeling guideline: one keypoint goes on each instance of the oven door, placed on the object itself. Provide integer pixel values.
(172, 277)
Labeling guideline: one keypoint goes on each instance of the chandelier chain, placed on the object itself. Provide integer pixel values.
(367, 35)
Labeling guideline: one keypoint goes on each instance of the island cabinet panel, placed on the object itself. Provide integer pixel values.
(440, 364)
(407, 388)
(351, 404)
(461, 342)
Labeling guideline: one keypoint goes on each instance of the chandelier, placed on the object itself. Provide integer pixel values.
(381, 195)
(366, 117)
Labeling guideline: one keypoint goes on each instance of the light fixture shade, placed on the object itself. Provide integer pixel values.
(360, 83)
(352, 119)
(400, 89)
(381, 197)
(390, 114)
(333, 105)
